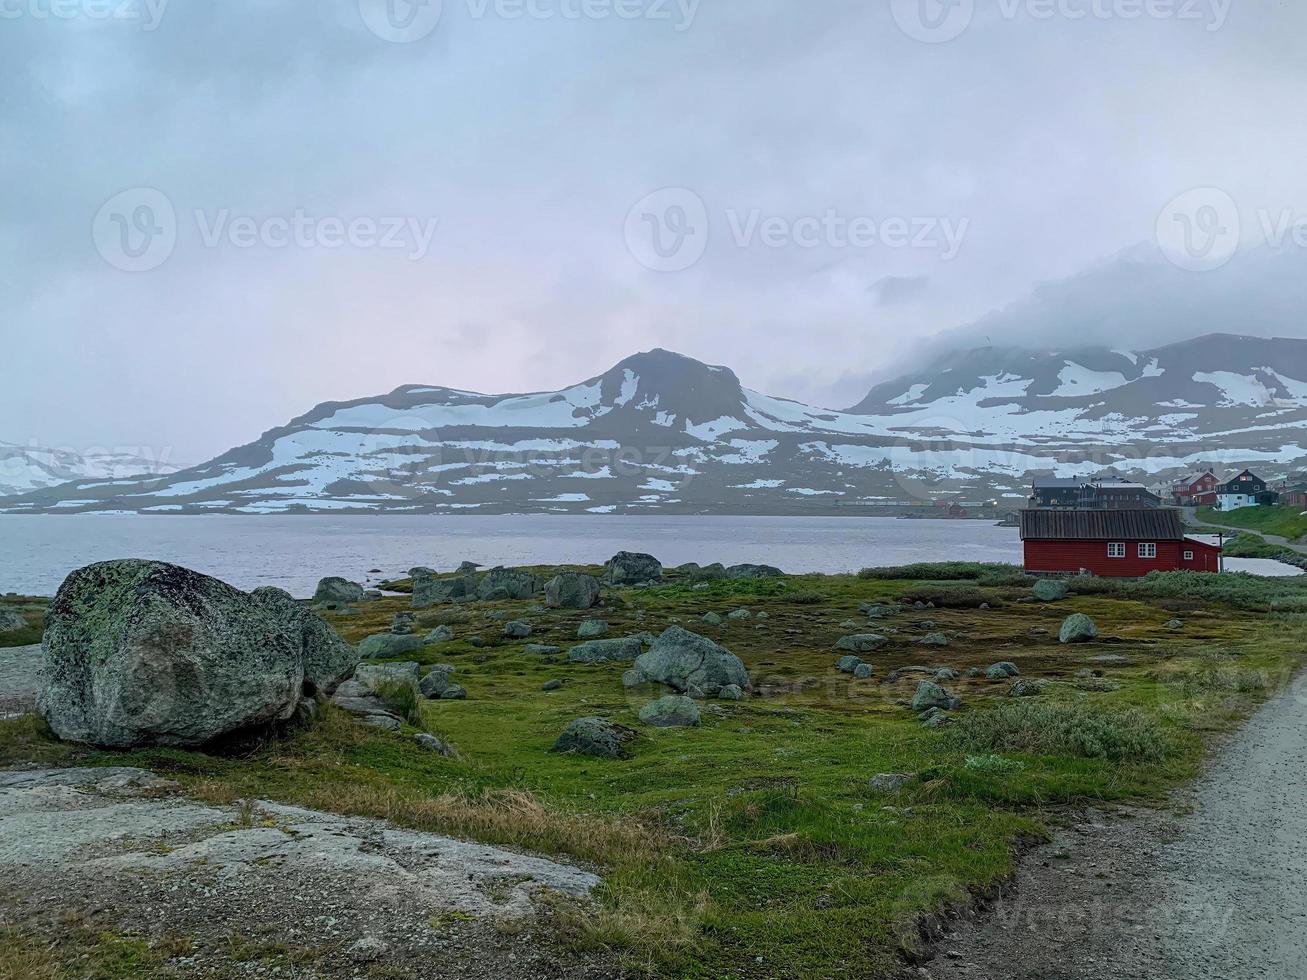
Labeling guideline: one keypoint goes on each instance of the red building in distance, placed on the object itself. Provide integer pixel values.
(1112, 543)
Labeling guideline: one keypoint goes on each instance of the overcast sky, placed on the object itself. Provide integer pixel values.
(529, 190)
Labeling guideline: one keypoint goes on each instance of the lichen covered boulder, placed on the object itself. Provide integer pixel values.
(428, 590)
(861, 643)
(1078, 628)
(1050, 590)
(630, 568)
(508, 583)
(692, 664)
(572, 590)
(597, 737)
(147, 653)
(337, 591)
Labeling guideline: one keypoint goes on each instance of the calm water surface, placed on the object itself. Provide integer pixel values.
(36, 552)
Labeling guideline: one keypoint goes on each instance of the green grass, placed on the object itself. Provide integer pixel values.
(754, 844)
(1287, 522)
(31, 610)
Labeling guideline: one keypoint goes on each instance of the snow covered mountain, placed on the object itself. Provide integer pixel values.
(27, 468)
(664, 433)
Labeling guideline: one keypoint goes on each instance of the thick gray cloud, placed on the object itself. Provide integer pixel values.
(1024, 151)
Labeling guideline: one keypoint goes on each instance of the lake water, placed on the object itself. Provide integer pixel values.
(37, 552)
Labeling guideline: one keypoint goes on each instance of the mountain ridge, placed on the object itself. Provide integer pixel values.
(663, 432)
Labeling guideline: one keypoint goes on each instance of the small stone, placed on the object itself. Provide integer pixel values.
(1078, 628)
(518, 629)
(934, 640)
(731, 692)
(554, 685)
(1002, 671)
(862, 672)
(740, 614)
(713, 619)
(367, 950)
(454, 692)
(592, 629)
(890, 782)
(673, 711)
(433, 744)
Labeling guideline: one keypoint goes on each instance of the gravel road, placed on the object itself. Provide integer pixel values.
(1215, 889)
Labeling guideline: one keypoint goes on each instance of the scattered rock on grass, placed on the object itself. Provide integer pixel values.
(433, 744)
(891, 782)
(441, 634)
(934, 640)
(1078, 628)
(572, 590)
(1002, 671)
(713, 619)
(848, 664)
(931, 695)
(554, 685)
(597, 737)
(861, 642)
(753, 571)
(518, 629)
(592, 629)
(1050, 590)
(337, 590)
(672, 711)
(11, 621)
(692, 664)
(1025, 688)
(387, 646)
(604, 651)
(862, 672)
(631, 568)
(436, 682)
(731, 692)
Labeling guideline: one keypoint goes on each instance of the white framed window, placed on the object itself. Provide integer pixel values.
(1147, 550)
(1116, 549)
(1188, 556)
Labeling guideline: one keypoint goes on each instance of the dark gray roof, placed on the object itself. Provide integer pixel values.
(1101, 525)
(1054, 483)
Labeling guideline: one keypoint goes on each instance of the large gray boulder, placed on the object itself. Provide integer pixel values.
(147, 653)
(508, 583)
(931, 695)
(338, 591)
(1078, 628)
(692, 664)
(630, 568)
(572, 590)
(430, 591)
(592, 629)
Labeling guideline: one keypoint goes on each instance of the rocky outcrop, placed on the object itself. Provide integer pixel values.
(861, 643)
(605, 651)
(146, 653)
(337, 591)
(692, 664)
(631, 568)
(507, 583)
(428, 590)
(572, 590)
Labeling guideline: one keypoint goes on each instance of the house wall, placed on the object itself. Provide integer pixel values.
(1071, 556)
(1235, 501)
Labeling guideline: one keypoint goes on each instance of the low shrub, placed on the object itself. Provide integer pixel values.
(1053, 728)
(949, 571)
(1237, 589)
(949, 597)
(807, 598)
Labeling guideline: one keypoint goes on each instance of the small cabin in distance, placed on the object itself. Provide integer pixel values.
(1196, 491)
(1112, 543)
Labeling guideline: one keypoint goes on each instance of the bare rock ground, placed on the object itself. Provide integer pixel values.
(341, 896)
(1215, 888)
(20, 673)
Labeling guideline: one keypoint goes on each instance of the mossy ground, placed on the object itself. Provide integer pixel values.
(754, 845)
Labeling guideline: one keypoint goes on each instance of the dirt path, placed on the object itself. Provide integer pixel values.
(1219, 891)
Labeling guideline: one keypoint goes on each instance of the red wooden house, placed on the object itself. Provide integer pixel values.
(1196, 491)
(1116, 543)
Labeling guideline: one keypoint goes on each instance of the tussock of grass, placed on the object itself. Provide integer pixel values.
(22, 956)
(404, 700)
(1237, 589)
(1053, 728)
